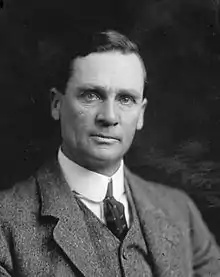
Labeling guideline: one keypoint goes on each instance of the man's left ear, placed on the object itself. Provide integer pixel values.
(140, 122)
(55, 100)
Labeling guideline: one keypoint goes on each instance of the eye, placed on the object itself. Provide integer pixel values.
(127, 100)
(90, 96)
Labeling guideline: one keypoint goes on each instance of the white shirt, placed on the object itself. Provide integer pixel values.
(91, 187)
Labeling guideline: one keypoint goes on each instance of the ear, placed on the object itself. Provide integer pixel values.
(55, 100)
(140, 122)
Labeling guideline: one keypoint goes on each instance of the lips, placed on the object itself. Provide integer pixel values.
(105, 137)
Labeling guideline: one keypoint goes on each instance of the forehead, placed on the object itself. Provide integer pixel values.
(113, 70)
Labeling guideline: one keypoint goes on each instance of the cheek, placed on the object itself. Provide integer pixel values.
(130, 121)
(129, 130)
(77, 119)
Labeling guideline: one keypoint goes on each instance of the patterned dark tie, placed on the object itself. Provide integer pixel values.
(114, 214)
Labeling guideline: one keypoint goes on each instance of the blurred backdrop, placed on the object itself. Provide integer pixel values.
(180, 40)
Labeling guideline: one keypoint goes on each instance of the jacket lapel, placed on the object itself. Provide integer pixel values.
(162, 235)
(70, 232)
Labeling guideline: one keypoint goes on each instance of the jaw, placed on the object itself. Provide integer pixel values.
(102, 159)
(104, 168)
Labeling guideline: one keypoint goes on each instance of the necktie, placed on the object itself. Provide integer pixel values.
(114, 214)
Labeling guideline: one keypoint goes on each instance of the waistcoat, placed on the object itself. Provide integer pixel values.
(118, 258)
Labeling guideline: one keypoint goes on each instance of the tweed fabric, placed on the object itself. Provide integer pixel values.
(117, 258)
(43, 234)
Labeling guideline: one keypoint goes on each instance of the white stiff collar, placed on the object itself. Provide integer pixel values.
(89, 184)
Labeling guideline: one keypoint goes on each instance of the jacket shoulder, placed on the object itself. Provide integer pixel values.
(158, 188)
(173, 201)
(21, 198)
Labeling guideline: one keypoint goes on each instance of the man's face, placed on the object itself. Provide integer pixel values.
(101, 109)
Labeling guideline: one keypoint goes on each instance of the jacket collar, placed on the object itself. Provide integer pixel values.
(70, 232)
(162, 235)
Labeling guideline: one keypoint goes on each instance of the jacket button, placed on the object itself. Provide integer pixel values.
(124, 256)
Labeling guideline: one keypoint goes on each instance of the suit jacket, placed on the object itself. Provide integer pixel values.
(42, 232)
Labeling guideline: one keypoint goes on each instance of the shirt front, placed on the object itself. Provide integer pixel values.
(91, 187)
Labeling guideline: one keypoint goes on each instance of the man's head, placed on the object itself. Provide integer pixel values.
(102, 104)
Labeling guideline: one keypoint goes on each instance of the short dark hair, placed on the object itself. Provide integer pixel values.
(60, 53)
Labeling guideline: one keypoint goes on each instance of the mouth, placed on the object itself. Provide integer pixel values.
(105, 138)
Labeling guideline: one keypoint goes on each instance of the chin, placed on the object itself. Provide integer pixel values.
(105, 156)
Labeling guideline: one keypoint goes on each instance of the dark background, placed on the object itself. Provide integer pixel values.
(179, 144)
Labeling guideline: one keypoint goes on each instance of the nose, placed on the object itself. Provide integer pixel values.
(107, 115)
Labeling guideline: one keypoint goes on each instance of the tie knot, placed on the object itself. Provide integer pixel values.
(109, 192)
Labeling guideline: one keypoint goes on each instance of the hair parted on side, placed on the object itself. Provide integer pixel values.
(57, 59)
(112, 40)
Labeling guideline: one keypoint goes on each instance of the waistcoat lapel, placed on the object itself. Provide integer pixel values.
(162, 235)
(70, 232)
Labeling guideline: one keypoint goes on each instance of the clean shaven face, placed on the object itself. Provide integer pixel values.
(101, 109)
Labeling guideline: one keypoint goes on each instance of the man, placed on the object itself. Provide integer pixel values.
(85, 213)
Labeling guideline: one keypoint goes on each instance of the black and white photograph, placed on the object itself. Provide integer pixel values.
(110, 138)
